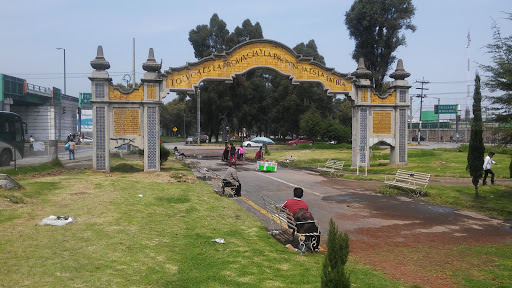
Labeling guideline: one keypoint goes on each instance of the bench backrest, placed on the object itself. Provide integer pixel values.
(280, 214)
(412, 176)
(334, 164)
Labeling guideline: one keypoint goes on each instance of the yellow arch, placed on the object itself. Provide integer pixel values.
(261, 53)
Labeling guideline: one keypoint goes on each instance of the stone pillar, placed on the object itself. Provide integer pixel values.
(52, 137)
(100, 112)
(360, 111)
(152, 86)
(401, 86)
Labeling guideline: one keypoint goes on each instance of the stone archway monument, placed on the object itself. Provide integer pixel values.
(132, 117)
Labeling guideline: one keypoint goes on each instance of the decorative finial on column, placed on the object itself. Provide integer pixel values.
(400, 73)
(362, 72)
(151, 65)
(99, 63)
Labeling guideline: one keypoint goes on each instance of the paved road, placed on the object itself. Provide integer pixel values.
(372, 218)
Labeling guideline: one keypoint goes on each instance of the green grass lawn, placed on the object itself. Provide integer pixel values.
(137, 229)
(163, 238)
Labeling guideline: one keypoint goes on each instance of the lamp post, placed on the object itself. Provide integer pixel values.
(60, 102)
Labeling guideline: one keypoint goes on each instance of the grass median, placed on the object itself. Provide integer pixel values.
(137, 229)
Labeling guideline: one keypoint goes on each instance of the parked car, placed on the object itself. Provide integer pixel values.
(298, 141)
(251, 144)
(204, 138)
(86, 139)
(190, 140)
(415, 138)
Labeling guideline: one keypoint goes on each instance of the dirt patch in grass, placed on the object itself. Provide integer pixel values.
(48, 173)
(166, 177)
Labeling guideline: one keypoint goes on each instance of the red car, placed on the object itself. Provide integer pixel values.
(298, 141)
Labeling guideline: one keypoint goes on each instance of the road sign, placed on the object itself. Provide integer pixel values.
(447, 109)
(174, 129)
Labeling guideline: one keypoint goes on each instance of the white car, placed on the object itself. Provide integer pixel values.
(87, 140)
(252, 144)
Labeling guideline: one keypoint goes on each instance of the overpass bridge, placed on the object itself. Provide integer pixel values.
(39, 106)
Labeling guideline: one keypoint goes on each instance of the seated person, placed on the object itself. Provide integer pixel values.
(230, 179)
(178, 153)
(296, 203)
(259, 155)
(299, 210)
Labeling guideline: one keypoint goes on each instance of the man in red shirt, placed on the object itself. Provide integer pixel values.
(296, 203)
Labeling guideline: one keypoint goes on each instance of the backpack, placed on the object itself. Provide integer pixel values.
(302, 215)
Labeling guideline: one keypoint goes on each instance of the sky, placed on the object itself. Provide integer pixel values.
(436, 52)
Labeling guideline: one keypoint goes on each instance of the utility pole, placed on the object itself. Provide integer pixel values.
(198, 116)
(421, 96)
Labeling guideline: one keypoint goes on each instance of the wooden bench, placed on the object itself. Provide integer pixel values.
(284, 219)
(332, 166)
(416, 181)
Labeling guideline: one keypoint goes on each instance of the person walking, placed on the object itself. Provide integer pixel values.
(72, 149)
(241, 152)
(487, 168)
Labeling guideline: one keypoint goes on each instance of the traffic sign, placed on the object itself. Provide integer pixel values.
(447, 109)
(174, 129)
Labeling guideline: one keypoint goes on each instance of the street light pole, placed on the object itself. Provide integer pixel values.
(60, 102)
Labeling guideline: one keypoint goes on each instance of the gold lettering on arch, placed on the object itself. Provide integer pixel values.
(255, 54)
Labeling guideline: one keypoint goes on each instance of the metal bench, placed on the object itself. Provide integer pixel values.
(209, 174)
(416, 181)
(332, 166)
(283, 218)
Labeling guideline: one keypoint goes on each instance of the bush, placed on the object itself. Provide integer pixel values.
(333, 271)
(164, 154)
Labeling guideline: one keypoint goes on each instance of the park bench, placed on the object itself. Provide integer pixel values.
(416, 181)
(225, 191)
(332, 166)
(283, 218)
(209, 174)
(288, 161)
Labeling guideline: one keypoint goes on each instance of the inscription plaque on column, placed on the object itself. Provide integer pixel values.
(126, 121)
(382, 122)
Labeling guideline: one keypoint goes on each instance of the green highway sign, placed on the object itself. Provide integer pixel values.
(85, 98)
(447, 109)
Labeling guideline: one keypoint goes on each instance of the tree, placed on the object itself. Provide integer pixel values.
(309, 50)
(333, 270)
(311, 124)
(375, 25)
(476, 142)
(499, 77)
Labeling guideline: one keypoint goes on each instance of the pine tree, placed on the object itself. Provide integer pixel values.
(333, 272)
(476, 142)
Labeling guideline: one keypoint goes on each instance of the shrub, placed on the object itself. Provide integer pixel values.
(164, 154)
(333, 271)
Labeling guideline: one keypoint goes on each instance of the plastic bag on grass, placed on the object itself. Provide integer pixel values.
(57, 220)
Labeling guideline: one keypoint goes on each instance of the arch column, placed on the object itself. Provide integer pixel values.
(152, 88)
(100, 81)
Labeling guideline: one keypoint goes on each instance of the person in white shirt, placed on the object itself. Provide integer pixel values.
(487, 168)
